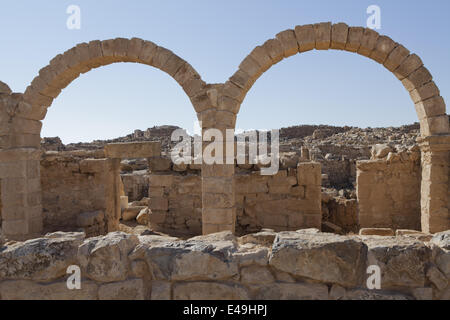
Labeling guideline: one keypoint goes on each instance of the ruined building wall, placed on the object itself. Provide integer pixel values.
(388, 192)
(289, 200)
(135, 185)
(79, 193)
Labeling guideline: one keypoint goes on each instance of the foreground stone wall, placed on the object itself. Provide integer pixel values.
(303, 264)
(388, 192)
(79, 193)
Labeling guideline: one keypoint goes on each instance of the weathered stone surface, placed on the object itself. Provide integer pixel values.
(323, 257)
(42, 259)
(402, 261)
(143, 217)
(364, 294)
(256, 275)
(133, 150)
(442, 239)
(132, 289)
(30, 290)
(161, 290)
(292, 291)
(105, 258)
(209, 291)
(192, 260)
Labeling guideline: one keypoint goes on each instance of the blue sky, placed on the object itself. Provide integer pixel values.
(332, 87)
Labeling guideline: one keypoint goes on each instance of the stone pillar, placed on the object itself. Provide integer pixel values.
(435, 189)
(218, 192)
(21, 193)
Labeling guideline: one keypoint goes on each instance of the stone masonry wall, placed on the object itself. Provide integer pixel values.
(388, 192)
(301, 265)
(79, 193)
(289, 200)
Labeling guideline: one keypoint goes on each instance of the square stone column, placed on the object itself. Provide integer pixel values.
(435, 189)
(21, 211)
(218, 190)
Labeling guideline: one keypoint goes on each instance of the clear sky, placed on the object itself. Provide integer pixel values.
(332, 87)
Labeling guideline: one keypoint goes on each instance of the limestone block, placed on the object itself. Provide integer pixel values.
(143, 217)
(315, 256)
(131, 289)
(201, 259)
(368, 42)
(417, 79)
(396, 57)
(260, 55)
(131, 213)
(432, 107)
(160, 180)
(309, 173)
(161, 56)
(251, 67)
(434, 125)
(425, 92)
(134, 48)
(437, 278)
(209, 291)
(293, 291)
(275, 50)
(217, 185)
(133, 150)
(288, 42)
(423, 293)
(354, 37)
(193, 86)
(305, 37)
(366, 294)
(4, 88)
(29, 290)
(159, 204)
(186, 73)
(398, 256)
(161, 290)
(147, 52)
(377, 231)
(241, 79)
(219, 216)
(40, 259)
(383, 48)
(173, 64)
(159, 164)
(408, 66)
(87, 219)
(322, 32)
(339, 34)
(256, 275)
(217, 170)
(105, 258)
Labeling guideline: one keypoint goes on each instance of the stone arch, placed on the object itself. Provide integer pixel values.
(406, 66)
(21, 123)
(66, 67)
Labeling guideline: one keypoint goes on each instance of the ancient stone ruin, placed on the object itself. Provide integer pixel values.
(142, 227)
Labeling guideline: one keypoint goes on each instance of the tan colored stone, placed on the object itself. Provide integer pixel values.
(288, 42)
(305, 37)
(377, 231)
(383, 48)
(133, 150)
(322, 32)
(354, 37)
(339, 34)
(368, 42)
